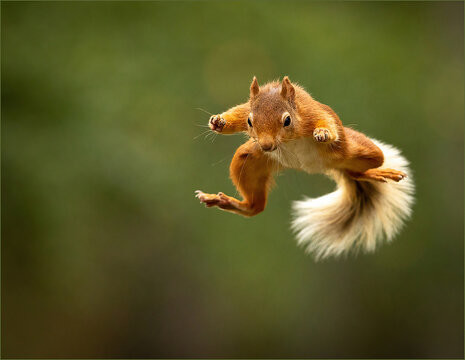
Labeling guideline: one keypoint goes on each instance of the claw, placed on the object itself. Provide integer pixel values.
(210, 200)
(200, 195)
(321, 135)
(217, 123)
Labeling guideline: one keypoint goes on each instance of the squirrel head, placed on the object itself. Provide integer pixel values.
(273, 114)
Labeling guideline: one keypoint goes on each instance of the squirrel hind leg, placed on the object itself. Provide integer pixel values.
(251, 172)
(227, 203)
(381, 175)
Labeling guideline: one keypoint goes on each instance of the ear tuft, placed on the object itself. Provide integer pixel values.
(254, 88)
(287, 89)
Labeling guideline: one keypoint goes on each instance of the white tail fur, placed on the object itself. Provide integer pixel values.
(358, 214)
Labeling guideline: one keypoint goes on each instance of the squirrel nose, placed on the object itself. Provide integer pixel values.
(267, 146)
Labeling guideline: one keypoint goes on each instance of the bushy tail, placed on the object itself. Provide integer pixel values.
(358, 215)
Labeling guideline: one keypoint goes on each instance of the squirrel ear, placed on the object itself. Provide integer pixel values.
(254, 88)
(287, 90)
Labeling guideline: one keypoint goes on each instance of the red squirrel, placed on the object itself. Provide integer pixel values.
(288, 128)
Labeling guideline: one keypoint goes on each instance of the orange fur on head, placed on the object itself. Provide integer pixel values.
(270, 106)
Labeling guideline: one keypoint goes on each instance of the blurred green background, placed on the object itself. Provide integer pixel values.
(105, 250)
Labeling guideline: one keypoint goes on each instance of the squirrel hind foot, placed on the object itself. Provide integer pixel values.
(381, 175)
(210, 200)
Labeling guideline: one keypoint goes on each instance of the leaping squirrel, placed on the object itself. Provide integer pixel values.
(290, 129)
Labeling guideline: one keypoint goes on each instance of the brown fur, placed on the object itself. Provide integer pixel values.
(252, 169)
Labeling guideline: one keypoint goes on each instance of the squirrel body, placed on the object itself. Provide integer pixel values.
(290, 129)
(301, 154)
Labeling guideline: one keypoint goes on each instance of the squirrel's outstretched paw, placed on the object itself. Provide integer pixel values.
(216, 123)
(210, 200)
(322, 135)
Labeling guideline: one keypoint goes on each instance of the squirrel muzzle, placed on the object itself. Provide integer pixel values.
(267, 144)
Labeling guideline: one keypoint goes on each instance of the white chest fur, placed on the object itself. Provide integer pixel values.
(300, 154)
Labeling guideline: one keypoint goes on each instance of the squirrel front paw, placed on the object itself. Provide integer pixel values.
(322, 135)
(217, 123)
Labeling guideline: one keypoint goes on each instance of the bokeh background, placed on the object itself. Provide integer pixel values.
(105, 250)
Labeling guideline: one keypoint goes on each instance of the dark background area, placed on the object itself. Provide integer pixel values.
(105, 250)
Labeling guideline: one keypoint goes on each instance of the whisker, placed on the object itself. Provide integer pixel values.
(216, 163)
(215, 135)
(275, 165)
(205, 111)
(268, 160)
(206, 131)
(210, 133)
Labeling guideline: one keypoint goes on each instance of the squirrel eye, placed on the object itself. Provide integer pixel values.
(249, 122)
(287, 121)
